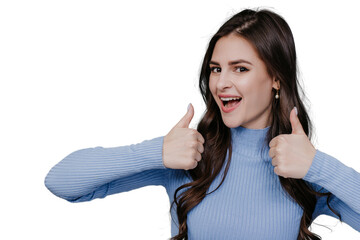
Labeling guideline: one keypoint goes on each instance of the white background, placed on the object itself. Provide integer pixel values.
(77, 74)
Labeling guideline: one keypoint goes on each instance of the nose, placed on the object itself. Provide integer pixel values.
(223, 81)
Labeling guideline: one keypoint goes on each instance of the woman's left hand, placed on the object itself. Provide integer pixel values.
(292, 154)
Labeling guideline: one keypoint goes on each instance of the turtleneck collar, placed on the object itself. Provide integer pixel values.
(250, 141)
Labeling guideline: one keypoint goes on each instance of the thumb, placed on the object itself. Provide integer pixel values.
(295, 122)
(186, 119)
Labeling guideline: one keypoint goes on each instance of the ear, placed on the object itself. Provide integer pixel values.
(276, 83)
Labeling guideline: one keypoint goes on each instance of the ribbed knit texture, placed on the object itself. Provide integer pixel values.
(250, 204)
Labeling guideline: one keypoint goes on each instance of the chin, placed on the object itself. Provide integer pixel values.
(231, 123)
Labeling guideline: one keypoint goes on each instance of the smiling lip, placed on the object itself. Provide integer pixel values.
(227, 109)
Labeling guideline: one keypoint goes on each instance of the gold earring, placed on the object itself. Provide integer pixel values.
(277, 94)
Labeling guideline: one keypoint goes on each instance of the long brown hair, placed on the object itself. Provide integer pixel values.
(273, 39)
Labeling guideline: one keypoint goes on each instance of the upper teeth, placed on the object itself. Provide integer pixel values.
(229, 99)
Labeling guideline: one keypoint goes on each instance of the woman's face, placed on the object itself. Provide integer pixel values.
(237, 72)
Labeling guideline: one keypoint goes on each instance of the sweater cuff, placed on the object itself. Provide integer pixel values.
(326, 171)
(337, 178)
(320, 167)
(154, 153)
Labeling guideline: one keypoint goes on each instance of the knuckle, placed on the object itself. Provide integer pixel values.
(191, 165)
(201, 148)
(192, 154)
(193, 132)
(282, 140)
(188, 165)
(278, 150)
(192, 144)
(271, 153)
(202, 140)
(282, 171)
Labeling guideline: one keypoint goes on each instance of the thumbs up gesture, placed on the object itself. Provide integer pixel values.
(292, 154)
(183, 146)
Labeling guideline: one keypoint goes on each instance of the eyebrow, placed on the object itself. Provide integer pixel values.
(232, 62)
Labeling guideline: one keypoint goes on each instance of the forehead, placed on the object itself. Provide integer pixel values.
(232, 47)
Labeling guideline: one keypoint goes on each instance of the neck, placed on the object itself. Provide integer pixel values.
(250, 141)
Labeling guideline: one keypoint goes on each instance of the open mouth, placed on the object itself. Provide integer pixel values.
(230, 102)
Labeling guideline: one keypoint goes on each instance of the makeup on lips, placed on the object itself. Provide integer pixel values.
(229, 102)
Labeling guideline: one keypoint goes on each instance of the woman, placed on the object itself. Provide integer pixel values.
(249, 171)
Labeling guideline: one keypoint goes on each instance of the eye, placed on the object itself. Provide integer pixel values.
(241, 69)
(215, 69)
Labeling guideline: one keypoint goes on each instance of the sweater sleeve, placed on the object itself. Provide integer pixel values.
(92, 173)
(328, 174)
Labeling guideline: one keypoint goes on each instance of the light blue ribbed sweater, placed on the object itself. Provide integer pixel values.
(250, 204)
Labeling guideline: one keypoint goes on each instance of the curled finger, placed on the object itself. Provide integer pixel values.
(200, 138)
(200, 148)
(197, 156)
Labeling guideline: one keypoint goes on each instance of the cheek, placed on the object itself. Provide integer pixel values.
(212, 86)
(260, 97)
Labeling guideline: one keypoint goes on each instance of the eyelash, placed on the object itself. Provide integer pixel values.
(244, 69)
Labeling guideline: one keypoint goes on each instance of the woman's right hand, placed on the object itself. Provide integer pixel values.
(183, 146)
